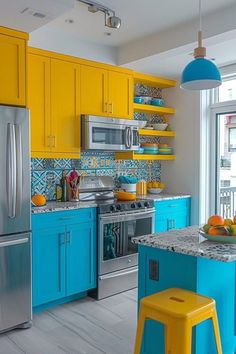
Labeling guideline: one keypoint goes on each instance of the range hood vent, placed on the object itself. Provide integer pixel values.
(35, 13)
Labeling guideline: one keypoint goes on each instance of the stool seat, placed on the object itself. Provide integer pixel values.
(179, 311)
(178, 302)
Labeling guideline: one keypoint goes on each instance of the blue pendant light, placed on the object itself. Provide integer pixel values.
(201, 73)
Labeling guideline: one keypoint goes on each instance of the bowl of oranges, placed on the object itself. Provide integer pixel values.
(155, 187)
(219, 229)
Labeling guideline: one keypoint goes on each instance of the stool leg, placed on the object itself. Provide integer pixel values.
(139, 332)
(178, 337)
(217, 332)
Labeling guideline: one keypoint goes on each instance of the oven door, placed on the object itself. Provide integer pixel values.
(116, 249)
(112, 136)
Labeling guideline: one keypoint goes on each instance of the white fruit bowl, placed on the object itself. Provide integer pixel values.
(155, 190)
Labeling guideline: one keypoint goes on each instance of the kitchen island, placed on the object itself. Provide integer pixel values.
(178, 258)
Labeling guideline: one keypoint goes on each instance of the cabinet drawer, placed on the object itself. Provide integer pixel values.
(172, 206)
(58, 218)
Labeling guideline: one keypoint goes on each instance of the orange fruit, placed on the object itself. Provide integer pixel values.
(218, 230)
(215, 220)
(38, 200)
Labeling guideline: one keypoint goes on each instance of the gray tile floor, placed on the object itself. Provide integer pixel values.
(82, 327)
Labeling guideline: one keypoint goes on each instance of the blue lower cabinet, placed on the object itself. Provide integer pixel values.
(63, 257)
(172, 214)
(48, 255)
(81, 258)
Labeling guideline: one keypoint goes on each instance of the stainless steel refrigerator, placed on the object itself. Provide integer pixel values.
(15, 224)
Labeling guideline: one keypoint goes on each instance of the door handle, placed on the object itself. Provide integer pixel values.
(62, 238)
(54, 141)
(110, 107)
(13, 242)
(68, 234)
(11, 170)
(19, 170)
(105, 107)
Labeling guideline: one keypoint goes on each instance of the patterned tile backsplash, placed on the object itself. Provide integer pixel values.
(46, 173)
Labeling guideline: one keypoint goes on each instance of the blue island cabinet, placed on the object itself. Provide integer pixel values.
(172, 214)
(63, 256)
(161, 269)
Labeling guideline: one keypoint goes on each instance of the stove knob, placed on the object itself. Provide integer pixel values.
(139, 204)
(112, 208)
(146, 204)
(133, 206)
(118, 207)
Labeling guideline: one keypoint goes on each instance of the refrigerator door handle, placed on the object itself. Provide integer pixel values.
(11, 170)
(19, 170)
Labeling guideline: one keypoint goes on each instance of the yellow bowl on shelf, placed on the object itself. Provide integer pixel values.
(125, 196)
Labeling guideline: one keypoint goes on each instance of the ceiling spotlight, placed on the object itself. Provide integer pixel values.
(111, 20)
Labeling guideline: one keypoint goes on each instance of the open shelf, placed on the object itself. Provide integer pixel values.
(153, 81)
(130, 155)
(147, 132)
(146, 108)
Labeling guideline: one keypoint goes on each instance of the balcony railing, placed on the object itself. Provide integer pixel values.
(227, 202)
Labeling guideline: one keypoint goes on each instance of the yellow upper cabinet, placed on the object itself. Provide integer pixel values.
(65, 110)
(93, 87)
(120, 93)
(106, 92)
(54, 102)
(39, 102)
(13, 67)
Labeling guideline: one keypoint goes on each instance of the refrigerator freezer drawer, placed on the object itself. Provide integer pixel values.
(15, 280)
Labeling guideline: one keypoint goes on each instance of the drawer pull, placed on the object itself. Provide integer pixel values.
(67, 217)
(173, 205)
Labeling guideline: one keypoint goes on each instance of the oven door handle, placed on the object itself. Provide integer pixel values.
(127, 217)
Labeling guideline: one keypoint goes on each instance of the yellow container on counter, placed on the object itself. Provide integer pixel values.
(141, 189)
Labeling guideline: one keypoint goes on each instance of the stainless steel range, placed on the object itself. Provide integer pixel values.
(118, 223)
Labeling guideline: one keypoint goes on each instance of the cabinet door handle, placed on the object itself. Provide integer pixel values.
(174, 227)
(54, 141)
(49, 141)
(110, 107)
(68, 234)
(62, 238)
(172, 205)
(105, 106)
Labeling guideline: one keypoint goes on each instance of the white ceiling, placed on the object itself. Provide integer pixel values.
(11, 16)
(139, 18)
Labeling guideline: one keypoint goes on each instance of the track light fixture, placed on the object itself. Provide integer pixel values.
(111, 20)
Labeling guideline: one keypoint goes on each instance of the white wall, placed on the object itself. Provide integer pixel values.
(65, 43)
(182, 175)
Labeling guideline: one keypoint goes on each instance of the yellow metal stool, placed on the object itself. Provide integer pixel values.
(179, 310)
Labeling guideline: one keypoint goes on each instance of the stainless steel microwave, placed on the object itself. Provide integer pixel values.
(100, 133)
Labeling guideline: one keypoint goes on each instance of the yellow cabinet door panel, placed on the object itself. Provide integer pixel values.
(93, 87)
(65, 112)
(12, 70)
(39, 102)
(120, 95)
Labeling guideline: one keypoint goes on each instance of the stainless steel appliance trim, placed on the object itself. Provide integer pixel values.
(19, 169)
(108, 120)
(11, 170)
(125, 216)
(118, 273)
(117, 282)
(13, 242)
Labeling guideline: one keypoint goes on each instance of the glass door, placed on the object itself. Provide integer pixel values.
(225, 163)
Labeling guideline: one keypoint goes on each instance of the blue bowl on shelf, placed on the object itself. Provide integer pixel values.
(138, 100)
(157, 102)
(139, 151)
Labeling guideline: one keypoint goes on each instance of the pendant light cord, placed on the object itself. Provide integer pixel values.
(200, 25)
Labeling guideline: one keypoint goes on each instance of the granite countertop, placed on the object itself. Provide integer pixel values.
(164, 196)
(186, 241)
(61, 206)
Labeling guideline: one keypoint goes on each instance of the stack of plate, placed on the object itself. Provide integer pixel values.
(150, 148)
(165, 149)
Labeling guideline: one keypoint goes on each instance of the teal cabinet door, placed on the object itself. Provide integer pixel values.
(172, 214)
(48, 264)
(81, 258)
